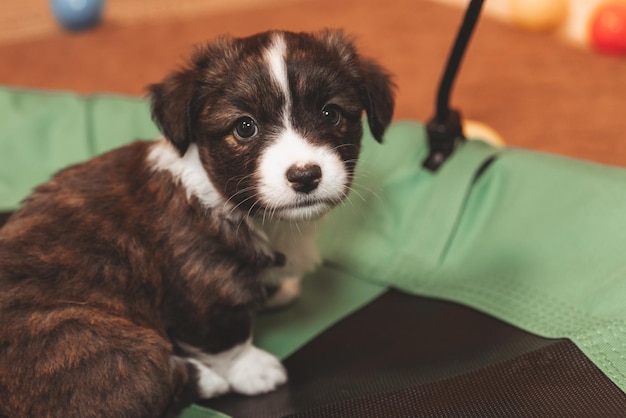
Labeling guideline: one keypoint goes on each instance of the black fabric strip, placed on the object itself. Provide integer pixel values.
(407, 356)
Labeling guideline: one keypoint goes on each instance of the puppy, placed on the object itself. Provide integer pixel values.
(128, 283)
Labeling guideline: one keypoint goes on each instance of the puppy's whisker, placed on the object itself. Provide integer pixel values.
(344, 145)
(366, 189)
(347, 200)
(238, 192)
(363, 176)
(293, 223)
(296, 225)
(247, 189)
(234, 208)
(239, 204)
(263, 217)
(241, 178)
(246, 216)
(265, 214)
(353, 190)
(273, 211)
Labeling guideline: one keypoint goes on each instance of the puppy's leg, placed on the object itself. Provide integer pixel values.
(299, 256)
(284, 293)
(77, 362)
(208, 383)
(281, 291)
(247, 369)
(254, 371)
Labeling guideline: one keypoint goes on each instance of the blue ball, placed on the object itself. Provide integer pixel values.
(77, 14)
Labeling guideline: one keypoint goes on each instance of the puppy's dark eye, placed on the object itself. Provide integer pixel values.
(245, 128)
(331, 114)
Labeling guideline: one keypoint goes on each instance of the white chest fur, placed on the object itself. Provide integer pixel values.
(297, 241)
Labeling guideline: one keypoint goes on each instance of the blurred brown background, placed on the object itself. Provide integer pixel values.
(535, 90)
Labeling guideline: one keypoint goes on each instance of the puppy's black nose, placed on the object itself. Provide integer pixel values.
(304, 179)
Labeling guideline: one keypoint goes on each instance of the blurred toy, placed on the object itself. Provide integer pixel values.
(539, 15)
(77, 15)
(607, 28)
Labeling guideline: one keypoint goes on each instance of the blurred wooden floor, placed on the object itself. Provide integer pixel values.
(535, 91)
(28, 19)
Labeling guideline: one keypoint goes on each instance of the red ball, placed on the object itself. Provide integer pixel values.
(608, 28)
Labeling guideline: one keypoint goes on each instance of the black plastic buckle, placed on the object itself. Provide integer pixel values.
(443, 138)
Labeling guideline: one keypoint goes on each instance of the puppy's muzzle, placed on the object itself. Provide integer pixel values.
(304, 179)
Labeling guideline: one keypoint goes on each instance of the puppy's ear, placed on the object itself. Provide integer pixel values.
(377, 91)
(171, 107)
(339, 43)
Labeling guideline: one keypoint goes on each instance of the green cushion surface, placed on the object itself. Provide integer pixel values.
(535, 240)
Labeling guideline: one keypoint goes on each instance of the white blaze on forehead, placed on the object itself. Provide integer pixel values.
(292, 149)
(275, 56)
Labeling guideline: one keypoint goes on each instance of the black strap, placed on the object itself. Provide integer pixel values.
(444, 129)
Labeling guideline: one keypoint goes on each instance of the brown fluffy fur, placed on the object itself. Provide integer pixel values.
(98, 269)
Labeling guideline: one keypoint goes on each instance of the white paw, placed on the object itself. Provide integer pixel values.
(256, 371)
(286, 294)
(210, 384)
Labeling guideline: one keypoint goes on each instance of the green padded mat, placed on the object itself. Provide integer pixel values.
(535, 240)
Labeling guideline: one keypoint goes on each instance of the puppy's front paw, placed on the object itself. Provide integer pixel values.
(210, 384)
(256, 371)
(285, 294)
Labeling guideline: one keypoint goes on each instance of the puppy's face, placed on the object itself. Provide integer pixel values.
(276, 118)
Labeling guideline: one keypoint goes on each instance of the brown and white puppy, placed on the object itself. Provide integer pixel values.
(128, 282)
